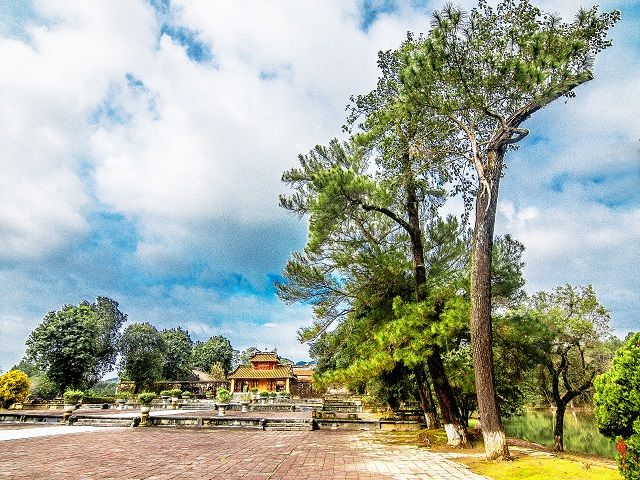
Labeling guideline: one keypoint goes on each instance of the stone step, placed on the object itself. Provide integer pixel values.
(104, 422)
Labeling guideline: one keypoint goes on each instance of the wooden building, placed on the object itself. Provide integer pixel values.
(264, 372)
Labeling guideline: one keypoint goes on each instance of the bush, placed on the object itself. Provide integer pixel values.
(73, 396)
(42, 388)
(165, 393)
(273, 394)
(14, 387)
(263, 394)
(123, 395)
(617, 406)
(145, 398)
(223, 395)
(186, 394)
(176, 392)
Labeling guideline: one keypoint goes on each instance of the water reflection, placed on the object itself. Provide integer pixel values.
(580, 432)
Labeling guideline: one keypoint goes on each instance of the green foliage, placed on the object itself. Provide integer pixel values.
(42, 388)
(242, 358)
(216, 349)
(104, 388)
(175, 393)
(617, 406)
(177, 358)
(65, 346)
(142, 350)
(223, 395)
(165, 393)
(108, 321)
(217, 372)
(73, 396)
(145, 398)
(14, 387)
(75, 346)
(123, 395)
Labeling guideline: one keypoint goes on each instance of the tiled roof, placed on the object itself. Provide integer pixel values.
(247, 371)
(303, 371)
(264, 357)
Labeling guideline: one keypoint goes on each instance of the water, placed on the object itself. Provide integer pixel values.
(580, 432)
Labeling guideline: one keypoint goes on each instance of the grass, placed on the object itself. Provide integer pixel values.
(541, 465)
(540, 468)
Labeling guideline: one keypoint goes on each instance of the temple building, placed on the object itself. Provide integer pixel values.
(264, 372)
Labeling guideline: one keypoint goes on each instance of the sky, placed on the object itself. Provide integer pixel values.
(142, 146)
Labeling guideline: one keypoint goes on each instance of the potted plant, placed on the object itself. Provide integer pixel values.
(272, 396)
(121, 399)
(223, 397)
(263, 396)
(144, 399)
(186, 395)
(71, 399)
(254, 393)
(164, 396)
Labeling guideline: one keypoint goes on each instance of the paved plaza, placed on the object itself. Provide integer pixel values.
(172, 453)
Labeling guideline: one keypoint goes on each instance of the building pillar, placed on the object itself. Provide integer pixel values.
(233, 385)
(286, 386)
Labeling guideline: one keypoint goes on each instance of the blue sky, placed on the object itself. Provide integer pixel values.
(144, 142)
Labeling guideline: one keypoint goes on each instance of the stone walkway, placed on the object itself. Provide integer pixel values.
(167, 453)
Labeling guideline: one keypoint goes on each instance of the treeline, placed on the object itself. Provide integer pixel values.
(74, 347)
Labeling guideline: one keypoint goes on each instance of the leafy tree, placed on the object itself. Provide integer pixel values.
(361, 222)
(42, 388)
(26, 367)
(177, 359)
(108, 322)
(617, 405)
(242, 358)
(217, 372)
(75, 346)
(65, 346)
(482, 75)
(574, 346)
(216, 349)
(142, 351)
(14, 387)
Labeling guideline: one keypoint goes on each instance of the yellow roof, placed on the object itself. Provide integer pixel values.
(247, 371)
(264, 357)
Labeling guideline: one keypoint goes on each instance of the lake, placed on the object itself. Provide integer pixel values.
(580, 432)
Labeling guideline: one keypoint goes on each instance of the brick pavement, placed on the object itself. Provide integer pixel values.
(167, 453)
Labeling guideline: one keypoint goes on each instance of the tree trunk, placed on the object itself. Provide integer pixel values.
(495, 440)
(558, 426)
(456, 431)
(453, 426)
(426, 399)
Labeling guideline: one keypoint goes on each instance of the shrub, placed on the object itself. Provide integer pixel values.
(264, 394)
(186, 394)
(145, 398)
(254, 390)
(176, 392)
(42, 388)
(165, 393)
(223, 395)
(617, 406)
(273, 394)
(73, 396)
(123, 395)
(14, 387)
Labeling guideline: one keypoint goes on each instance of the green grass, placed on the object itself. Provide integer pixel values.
(540, 468)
